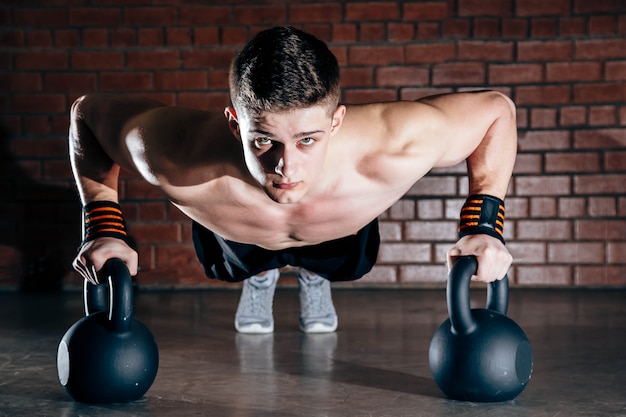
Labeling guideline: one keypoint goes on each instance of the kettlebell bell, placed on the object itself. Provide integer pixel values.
(108, 356)
(479, 355)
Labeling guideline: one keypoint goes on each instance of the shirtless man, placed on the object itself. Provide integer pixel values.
(289, 176)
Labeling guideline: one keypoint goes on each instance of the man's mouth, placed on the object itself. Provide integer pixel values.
(285, 185)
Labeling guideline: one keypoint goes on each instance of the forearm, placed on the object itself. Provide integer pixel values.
(490, 166)
(95, 173)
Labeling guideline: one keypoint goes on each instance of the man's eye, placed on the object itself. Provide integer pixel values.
(307, 141)
(262, 142)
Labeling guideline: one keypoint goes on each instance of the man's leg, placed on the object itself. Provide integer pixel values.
(254, 313)
(317, 312)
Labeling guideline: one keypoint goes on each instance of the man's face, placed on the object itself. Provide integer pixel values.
(285, 152)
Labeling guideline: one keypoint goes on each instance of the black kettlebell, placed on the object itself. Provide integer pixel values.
(479, 355)
(108, 356)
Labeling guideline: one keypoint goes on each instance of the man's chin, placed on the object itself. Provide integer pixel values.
(283, 197)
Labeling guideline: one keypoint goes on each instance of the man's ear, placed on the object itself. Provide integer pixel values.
(233, 121)
(338, 116)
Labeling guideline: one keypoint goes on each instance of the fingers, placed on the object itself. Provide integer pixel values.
(94, 254)
(494, 260)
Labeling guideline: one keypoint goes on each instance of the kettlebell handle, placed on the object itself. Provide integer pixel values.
(120, 292)
(458, 295)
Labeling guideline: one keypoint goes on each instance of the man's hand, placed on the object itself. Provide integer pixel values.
(93, 255)
(494, 260)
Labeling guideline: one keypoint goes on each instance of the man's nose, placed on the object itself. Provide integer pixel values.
(285, 165)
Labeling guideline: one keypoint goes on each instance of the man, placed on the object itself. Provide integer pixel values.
(290, 176)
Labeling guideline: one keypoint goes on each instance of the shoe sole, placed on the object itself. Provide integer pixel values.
(319, 328)
(254, 328)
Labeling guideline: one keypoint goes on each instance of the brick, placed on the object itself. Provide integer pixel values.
(210, 36)
(602, 207)
(434, 186)
(382, 11)
(542, 95)
(542, 7)
(430, 52)
(600, 276)
(431, 231)
(344, 32)
(218, 79)
(180, 80)
(94, 37)
(485, 50)
(549, 51)
(125, 81)
(428, 10)
(459, 73)
(357, 77)
(94, 16)
(402, 209)
(576, 253)
(542, 207)
(573, 116)
(616, 252)
(178, 36)
(372, 32)
(600, 93)
(375, 55)
(66, 82)
(402, 76)
(12, 37)
(40, 17)
(153, 59)
(39, 38)
(544, 275)
(527, 252)
(351, 96)
(21, 81)
(515, 73)
(325, 12)
(572, 26)
(600, 48)
(600, 184)
(528, 164)
(598, 6)
(600, 139)
(615, 70)
(543, 118)
(97, 60)
(543, 27)
(573, 71)
(436, 274)
(429, 209)
(39, 103)
(544, 140)
(41, 60)
(602, 25)
(204, 15)
(485, 7)
(487, 28)
(150, 37)
(404, 252)
(456, 28)
(400, 32)
(572, 162)
(544, 230)
(202, 58)
(150, 16)
(40, 148)
(270, 14)
(122, 37)
(428, 31)
(602, 116)
(390, 231)
(514, 28)
(571, 207)
(544, 185)
(615, 161)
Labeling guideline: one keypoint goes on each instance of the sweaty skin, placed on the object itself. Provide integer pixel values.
(295, 178)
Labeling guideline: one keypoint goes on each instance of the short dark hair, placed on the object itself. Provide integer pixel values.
(284, 68)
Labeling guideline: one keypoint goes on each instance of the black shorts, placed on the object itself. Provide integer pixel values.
(344, 259)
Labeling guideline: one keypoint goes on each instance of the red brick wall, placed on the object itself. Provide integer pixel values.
(562, 61)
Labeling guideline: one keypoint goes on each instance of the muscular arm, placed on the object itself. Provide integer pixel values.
(96, 144)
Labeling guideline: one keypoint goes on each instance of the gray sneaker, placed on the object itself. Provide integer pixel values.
(317, 312)
(254, 313)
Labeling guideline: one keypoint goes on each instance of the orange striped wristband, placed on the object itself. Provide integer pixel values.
(103, 219)
(482, 214)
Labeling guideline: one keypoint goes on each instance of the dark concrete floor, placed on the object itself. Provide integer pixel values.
(375, 365)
